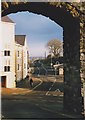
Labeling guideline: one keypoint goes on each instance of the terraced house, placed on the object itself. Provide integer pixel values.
(21, 57)
(13, 55)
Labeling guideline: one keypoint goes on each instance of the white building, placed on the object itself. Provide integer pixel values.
(7, 53)
(13, 55)
(21, 59)
(59, 68)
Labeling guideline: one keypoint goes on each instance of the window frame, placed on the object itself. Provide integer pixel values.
(6, 68)
(6, 52)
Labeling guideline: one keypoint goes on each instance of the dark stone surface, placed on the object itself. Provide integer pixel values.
(74, 43)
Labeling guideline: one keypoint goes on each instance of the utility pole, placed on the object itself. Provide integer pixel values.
(45, 54)
(51, 61)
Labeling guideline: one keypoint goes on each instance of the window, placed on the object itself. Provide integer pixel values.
(27, 53)
(24, 66)
(6, 68)
(18, 66)
(6, 53)
(18, 53)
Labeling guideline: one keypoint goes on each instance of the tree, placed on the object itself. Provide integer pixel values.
(55, 47)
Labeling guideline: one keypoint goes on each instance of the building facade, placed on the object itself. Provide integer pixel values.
(7, 56)
(21, 57)
(13, 55)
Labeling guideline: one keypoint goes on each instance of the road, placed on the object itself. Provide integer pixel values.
(44, 101)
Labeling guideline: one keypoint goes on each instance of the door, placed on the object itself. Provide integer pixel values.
(3, 81)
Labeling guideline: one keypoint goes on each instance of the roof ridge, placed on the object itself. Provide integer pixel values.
(20, 39)
(6, 19)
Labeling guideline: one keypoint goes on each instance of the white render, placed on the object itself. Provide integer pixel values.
(21, 60)
(8, 43)
(18, 60)
(61, 71)
(25, 59)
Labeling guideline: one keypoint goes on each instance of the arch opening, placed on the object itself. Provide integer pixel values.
(71, 27)
(37, 28)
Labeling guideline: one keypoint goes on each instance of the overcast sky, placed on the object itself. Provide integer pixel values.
(38, 29)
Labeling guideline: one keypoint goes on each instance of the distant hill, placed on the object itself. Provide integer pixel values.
(36, 57)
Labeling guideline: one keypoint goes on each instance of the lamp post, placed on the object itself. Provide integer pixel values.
(38, 71)
(55, 72)
(55, 67)
(51, 61)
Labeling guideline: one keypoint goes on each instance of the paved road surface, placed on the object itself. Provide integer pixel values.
(45, 101)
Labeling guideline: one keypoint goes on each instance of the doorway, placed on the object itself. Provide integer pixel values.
(3, 81)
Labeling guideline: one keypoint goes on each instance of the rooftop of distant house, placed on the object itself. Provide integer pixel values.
(20, 39)
(6, 19)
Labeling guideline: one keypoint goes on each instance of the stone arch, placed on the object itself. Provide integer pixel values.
(66, 15)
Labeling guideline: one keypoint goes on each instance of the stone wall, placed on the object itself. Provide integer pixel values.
(74, 44)
(82, 52)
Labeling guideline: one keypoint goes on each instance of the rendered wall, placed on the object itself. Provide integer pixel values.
(8, 31)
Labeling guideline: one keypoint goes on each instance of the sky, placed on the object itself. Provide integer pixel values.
(38, 30)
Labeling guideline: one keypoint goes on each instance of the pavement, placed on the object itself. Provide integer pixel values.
(21, 88)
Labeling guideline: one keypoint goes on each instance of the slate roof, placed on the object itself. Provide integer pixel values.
(6, 19)
(20, 39)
